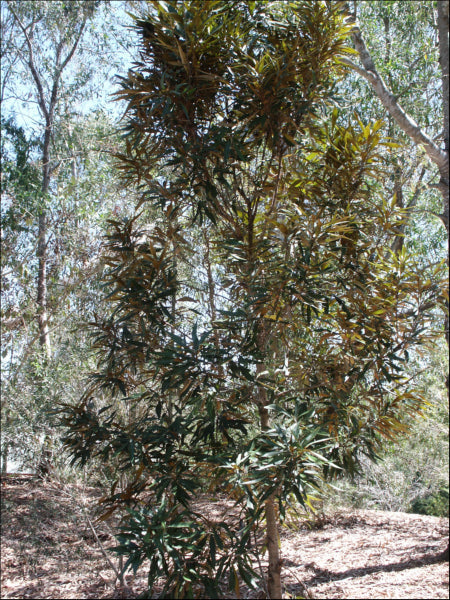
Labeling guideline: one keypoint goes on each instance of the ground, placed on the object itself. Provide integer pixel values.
(49, 550)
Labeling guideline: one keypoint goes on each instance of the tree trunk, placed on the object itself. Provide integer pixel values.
(5, 458)
(272, 534)
(47, 107)
(273, 548)
(443, 28)
(41, 252)
(44, 335)
(212, 299)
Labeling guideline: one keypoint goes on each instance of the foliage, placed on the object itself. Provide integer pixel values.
(79, 205)
(407, 58)
(433, 503)
(259, 327)
(166, 539)
(18, 173)
(413, 474)
(403, 43)
(57, 189)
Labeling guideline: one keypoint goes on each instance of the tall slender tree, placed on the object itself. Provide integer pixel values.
(293, 362)
(32, 22)
(436, 146)
(56, 190)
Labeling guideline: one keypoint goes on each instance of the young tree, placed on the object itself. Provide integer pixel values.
(259, 324)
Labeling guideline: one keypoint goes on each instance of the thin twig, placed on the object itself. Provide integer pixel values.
(303, 587)
(119, 575)
(263, 579)
(80, 506)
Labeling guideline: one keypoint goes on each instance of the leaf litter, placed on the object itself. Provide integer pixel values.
(48, 549)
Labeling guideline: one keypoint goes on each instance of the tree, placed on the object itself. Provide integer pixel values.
(68, 33)
(391, 98)
(30, 381)
(438, 156)
(259, 325)
(57, 187)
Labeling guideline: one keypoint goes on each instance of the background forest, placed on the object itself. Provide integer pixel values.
(174, 239)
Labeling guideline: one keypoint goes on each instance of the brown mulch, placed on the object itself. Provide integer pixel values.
(49, 550)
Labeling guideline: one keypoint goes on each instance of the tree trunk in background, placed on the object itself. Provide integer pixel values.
(41, 252)
(212, 298)
(443, 15)
(5, 458)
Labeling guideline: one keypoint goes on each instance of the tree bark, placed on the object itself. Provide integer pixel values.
(368, 70)
(5, 452)
(273, 549)
(44, 335)
(272, 534)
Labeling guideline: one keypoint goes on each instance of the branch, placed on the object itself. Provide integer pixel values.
(398, 240)
(60, 69)
(48, 113)
(74, 47)
(442, 10)
(389, 101)
(81, 507)
(32, 67)
(367, 74)
(419, 187)
(119, 575)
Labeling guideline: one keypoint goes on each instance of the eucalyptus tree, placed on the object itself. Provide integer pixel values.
(258, 326)
(84, 193)
(403, 56)
(392, 92)
(56, 190)
(403, 43)
(33, 24)
(403, 51)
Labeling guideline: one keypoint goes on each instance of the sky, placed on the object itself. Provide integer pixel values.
(106, 50)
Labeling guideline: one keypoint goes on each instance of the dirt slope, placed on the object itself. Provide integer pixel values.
(49, 551)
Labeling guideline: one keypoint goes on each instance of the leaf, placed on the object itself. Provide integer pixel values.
(195, 338)
(212, 550)
(233, 582)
